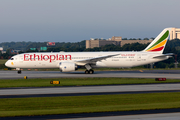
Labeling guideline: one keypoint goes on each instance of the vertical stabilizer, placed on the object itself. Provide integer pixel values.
(159, 43)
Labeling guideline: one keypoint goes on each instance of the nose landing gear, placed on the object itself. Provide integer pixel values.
(18, 70)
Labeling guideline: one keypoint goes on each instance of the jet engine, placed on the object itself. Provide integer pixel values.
(67, 66)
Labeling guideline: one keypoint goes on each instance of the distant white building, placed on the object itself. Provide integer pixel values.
(175, 33)
(3, 52)
(1, 49)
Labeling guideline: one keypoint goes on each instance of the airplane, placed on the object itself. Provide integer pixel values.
(71, 61)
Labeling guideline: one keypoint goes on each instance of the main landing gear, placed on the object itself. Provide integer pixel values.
(89, 71)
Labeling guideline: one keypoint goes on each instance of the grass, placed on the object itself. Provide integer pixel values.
(87, 104)
(2, 61)
(40, 82)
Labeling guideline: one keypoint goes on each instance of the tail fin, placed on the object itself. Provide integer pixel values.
(159, 43)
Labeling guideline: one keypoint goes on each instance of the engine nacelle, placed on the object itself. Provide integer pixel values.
(67, 66)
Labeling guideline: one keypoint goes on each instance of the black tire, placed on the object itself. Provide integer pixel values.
(86, 72)
(19, 72)
(91, 71)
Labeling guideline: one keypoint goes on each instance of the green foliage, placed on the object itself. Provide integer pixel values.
(40, 82)
(173, 43)
(126, 47)
(146, 39)
(160, 65)
(15, 45)
(31, 51)
(2, 66)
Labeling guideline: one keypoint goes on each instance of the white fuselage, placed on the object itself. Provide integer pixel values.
(52, 60)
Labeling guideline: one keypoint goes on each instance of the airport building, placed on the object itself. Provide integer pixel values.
(116, 40)
(175, 33)
(102, 42)
(1, 50)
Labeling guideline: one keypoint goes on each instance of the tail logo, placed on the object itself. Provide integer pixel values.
(159, 45)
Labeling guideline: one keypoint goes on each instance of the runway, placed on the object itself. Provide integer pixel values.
(169, 74)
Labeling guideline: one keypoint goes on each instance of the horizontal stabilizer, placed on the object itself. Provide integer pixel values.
(164, 55)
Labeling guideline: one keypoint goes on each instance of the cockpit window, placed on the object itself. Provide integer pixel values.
(12, 59)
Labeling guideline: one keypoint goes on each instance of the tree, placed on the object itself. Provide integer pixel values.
(146, 39)
(152, 38)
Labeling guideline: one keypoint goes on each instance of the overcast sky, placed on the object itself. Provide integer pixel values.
(77, 20)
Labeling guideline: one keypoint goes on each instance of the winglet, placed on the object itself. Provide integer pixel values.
(159, 43)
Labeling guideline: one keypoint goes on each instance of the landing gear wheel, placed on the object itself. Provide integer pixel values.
(86, 72)
(91, 71)
(19, 71)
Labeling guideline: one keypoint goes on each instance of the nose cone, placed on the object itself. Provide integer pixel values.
(7, 64)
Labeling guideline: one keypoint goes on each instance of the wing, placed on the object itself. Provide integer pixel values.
(164, 55)
(93, 60)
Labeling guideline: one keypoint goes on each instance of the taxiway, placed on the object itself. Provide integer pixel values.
(169, 74)
(89, 90)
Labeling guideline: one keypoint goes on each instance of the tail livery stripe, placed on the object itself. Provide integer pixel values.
(158, 49)
(159, 45)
